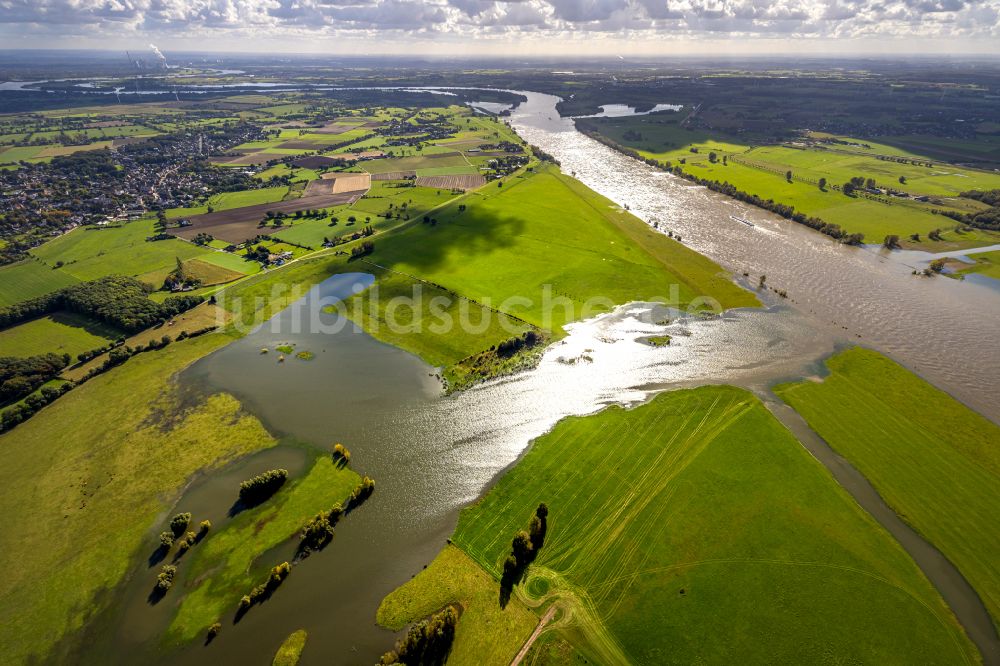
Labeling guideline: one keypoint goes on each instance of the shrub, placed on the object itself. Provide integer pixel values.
(427, 642)
(166, 577)
(361, 492)
(341, 453)
(166, 539)
(179, 523)
(318, 532)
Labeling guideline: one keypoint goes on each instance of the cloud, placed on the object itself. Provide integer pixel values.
(469, 20)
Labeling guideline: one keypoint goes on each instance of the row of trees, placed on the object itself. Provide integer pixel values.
(266, 589)
(427, 643)
(526, 340)
(366, 248)
(361, 492)
(259, 488)
(523, 551)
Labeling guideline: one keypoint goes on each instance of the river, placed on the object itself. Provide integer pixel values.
(432, 454)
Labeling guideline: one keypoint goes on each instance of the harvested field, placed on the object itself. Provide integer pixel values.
(394, 175)
(461, 182)
(337, 183)
(251, 158)
(238, 224)
(437, 156)
(316, 162)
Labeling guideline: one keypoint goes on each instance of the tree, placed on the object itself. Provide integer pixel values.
(179, 523)
(712, 157)
(902, 180)
(848, 188)
(788, 176)
(822, 184)
(891, 242)
(521, 546)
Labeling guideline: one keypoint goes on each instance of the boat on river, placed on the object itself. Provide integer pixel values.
(742, 219)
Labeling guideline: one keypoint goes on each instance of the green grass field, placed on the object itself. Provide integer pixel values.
(935, 461)
(28, 279)
(89, 254)
(291, 650)
(228, 564)
(59, 333)
(412, 163)
(487, 634)
(86, 478)
(233, 262)
(987, 263)
(698, 516)
(548, 229)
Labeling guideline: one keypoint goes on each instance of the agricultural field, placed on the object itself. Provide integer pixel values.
(231, 200)
(762, 170)
(694, 516)
(86, 479)
(87, 254)
(59, 333)
(935, 461)
(236, 225)
(28, 279)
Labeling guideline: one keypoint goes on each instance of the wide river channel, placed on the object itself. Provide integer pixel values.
(432, 454)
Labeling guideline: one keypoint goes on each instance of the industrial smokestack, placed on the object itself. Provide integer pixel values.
(159, 55)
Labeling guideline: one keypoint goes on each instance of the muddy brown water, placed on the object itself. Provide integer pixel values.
(432, 454)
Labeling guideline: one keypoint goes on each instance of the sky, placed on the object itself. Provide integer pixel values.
(511, 27)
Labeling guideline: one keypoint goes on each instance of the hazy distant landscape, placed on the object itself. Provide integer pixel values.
(531, 355)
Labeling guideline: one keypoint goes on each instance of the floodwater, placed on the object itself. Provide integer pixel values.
(431, 454)
(941, 328)
(622, 110)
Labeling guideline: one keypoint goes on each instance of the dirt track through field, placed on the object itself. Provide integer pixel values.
(534, 636)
